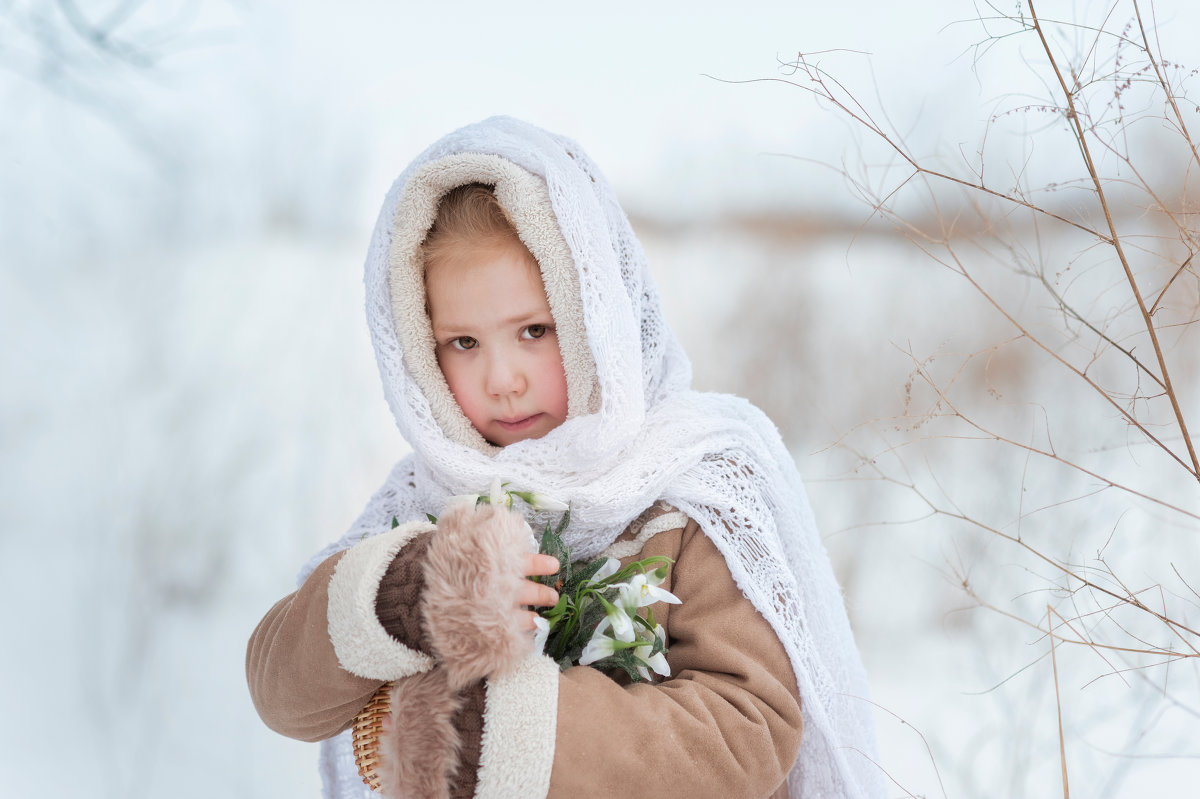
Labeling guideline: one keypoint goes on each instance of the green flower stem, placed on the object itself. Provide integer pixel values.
(630, 644)
(609, 608)
(638, 566)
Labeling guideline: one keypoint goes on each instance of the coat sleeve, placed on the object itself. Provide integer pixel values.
(320, 653)
(392, 607)
(296, 683)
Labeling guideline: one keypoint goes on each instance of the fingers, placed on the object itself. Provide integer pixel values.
(527, 622)
(536, 594)
(542, 565)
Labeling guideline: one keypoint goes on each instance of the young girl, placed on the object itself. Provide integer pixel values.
(520, 339)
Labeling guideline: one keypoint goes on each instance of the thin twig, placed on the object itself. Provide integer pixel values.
(991, 434)
(1166, 87)
(1193, 468)
(812, 72)
(1062, 303)
(1114, 238)
(1182, 267)
(1062, 744)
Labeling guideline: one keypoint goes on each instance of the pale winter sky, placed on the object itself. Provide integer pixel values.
(249, 103)
(298, 99)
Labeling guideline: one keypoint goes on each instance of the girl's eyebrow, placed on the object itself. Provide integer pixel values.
(520, 318)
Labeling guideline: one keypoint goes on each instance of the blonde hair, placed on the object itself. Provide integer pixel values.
(468, 215)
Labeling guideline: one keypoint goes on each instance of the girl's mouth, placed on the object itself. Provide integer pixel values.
(516, 425)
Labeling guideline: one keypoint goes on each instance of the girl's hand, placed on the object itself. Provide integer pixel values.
(535, 594)
(531, 593)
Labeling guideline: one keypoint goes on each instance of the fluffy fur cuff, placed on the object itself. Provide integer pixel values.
(473, 575)
(362, 645)
(419, 754)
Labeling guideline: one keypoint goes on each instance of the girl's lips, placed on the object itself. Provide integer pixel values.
(518, 424)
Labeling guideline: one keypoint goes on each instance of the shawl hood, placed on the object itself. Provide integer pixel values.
(620, 356)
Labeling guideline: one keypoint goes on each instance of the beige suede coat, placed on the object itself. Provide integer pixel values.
(727, 723)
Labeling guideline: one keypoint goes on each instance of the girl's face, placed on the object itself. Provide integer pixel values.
(496, 342)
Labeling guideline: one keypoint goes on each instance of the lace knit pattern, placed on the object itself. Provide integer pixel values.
(715, 457)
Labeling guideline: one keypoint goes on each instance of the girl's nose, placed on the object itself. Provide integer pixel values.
(504, 376)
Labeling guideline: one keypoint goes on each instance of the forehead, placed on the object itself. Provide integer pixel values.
(473, 283)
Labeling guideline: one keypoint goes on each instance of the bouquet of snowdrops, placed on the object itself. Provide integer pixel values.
(596, 621)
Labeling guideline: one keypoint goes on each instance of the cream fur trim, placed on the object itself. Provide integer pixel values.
(519, 730)
(420, 753)
(527, 200)
(659, 524)
(363, 647)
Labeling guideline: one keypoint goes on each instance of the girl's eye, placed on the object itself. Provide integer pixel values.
(535, 331)
(464, 343)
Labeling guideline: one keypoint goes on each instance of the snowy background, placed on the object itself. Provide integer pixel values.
(189, 405)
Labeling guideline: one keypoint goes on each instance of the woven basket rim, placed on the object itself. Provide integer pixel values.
(367, 727)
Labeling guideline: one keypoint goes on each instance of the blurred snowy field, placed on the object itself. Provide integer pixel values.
(190, 406)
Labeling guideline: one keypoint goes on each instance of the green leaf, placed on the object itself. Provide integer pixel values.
(563, 522)
(395, 522)
(432, 519)
(624, 660)
(582, 574)
(574, 653)
(552, 544)
(559, 608)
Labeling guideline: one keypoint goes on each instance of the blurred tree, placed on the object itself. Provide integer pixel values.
(102, 55)
(1061, 451)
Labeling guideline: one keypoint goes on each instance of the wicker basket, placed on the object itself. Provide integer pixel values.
(368, 725)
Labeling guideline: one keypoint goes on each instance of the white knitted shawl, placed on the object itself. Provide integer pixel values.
(636, 432)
